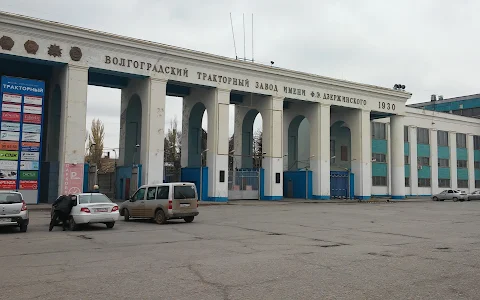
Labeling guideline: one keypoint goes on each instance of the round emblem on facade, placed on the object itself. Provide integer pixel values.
(6, 43)
(75, 53)
(54, 50)
(31, 47)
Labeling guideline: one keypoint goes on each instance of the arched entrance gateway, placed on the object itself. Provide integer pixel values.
(72, 58)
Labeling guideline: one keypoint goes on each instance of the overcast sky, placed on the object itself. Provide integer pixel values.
(427, 45)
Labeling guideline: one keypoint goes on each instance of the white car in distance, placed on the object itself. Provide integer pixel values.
(93, 208)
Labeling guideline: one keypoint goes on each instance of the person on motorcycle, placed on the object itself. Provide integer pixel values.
(62, 208)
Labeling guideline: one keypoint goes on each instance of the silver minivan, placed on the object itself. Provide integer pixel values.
(13, 210)
(161, 202)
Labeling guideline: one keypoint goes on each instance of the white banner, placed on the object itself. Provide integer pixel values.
(11, 107)
(32, 100)
(12, 98)
(30, 137)
(9, 136)
(36, 110)
(31, 128)
(9, 126)
(27, 165)
(8, 165)
(31, 156)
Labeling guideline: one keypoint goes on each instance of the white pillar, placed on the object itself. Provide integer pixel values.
(413, 161)
(240, 113)
(154, 92)
(319, 118)
(398, 160)
(388, 136)
(74, 84)
(272, 113)
(453, 159)
(217, 104)
(360, 128)
(434, 160)
(471, 163)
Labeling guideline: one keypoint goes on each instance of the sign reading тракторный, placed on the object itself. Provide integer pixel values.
(20, 136)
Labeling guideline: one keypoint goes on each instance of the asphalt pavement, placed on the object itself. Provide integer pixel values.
(255, 250)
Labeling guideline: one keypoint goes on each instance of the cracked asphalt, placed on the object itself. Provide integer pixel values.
(255, 250)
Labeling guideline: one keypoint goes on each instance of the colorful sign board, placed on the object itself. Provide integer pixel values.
(21, 133)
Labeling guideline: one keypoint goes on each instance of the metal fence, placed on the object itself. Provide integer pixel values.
(243, 184)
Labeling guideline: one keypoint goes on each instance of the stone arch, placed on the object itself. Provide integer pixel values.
(298, 143)
(247, 138)
(133, 129)
(196, 142)
(342, 140)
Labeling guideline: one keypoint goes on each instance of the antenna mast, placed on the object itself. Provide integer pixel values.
(233, 34)
(244, 54)
(252, 38)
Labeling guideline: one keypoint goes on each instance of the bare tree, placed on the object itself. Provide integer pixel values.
(95, 142)
(257, 149)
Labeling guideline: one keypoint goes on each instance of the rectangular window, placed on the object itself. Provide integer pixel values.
(423, 161)
(443, 162)
(476, 142)
(476, 164)
(463, 184)
(477, 184)
(468, 112)
(332, 151)
(184, 192)
(162, 192)
(379, 157)
(343, 153)
(405, 134)
(379, 180)
(461, 163)
(378, 131)
(422, 136)
(423, 182)
(407, 181)
(461, 140)
(457, 112)
(442, 138)
(407, 160)
(444, 183)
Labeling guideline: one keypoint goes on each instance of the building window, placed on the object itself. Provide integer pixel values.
(443, 182)
(476, 164)
(461, 163)
(378, 131)
(407, 181)
(461, 140)
(442, 138)
(457, 112)
(424, 161)
(462, 183)
(379, 157)
(468, 112)
(379, 180)
(407, 160)
(443, 162)
(477, 184)
(405, 134)
(332, 151)
(476, 142)
(423, 182)
(422, 136)
(343, 153)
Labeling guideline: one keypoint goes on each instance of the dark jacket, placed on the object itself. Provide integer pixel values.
(63, 204)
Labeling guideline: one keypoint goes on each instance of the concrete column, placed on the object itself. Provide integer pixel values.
(471, 163)
(152, 129)
(74, 84)
(320, 150)
(453, 159)
(434, 160)
(272, 113)
(217, 103)
(398, 160)
(412, 130)
(360, 128)
(389, 160)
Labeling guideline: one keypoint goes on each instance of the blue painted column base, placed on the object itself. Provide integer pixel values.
(398, 197)
(363, 197)
(271, 198)
(216, 199)
(320, 197)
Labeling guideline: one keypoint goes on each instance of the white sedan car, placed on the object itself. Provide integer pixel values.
(92, 208)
